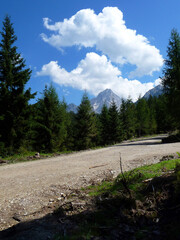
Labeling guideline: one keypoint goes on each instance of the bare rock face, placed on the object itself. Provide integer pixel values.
(106, 97)
(155, 92)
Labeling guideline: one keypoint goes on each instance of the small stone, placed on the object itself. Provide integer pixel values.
(157, 220)
(37, 155)
(63, 195)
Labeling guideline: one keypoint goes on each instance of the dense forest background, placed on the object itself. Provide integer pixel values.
(46, 126)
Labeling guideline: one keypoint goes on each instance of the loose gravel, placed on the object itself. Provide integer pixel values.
(28, 189)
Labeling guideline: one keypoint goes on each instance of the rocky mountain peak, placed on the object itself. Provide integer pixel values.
(105, 97)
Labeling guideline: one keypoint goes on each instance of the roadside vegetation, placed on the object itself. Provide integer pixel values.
(146, 206)
(30, 156)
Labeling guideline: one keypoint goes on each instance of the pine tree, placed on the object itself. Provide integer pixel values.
(152, 115)
(127, 119)
(104, 125)
(171, 79)
(14, 98)
(85, 125)
(114, 127)
(70, 140)
(163, 117)
(51, 122)
(143, 117)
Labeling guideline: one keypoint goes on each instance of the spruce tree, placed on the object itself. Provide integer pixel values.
(152, 115)
(104, 125)
(14, 98)
(114, 127)
(127, 119)
(51, 122)
(85, 125)
(143, 117)
(171, 79)
(70, 140)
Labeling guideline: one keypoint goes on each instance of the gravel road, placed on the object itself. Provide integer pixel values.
(27, 188)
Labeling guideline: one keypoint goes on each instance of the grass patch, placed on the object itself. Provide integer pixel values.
(30, 156)
(96, 190)
(135, 178)
(115, 211)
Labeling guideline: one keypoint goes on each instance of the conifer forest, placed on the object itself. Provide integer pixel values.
(46, 126)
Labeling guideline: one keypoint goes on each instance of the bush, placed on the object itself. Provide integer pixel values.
(172, 138)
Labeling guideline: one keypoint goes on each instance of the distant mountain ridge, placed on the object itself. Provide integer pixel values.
(107, 96)
(154, 92)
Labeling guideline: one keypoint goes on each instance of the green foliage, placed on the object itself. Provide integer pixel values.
(177, 182)
(14, 98)
(128, 119)
(85, 125)
(178, 154)
(50, 122)
(114, 126)
(104, 125)
(163, 118)
(152, 115)
(143, 117)
(24, 156)
(70, 141)
(171, 79)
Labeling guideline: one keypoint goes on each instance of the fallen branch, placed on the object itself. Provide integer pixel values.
(99, 166)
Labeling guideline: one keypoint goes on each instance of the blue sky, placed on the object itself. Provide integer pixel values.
(93, 45)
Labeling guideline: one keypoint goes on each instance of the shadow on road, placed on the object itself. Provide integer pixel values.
(106, 217)
(145, 141)
(38, 229)
(139, 143)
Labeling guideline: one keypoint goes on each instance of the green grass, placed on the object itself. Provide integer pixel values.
(28, 156)
(134, 178)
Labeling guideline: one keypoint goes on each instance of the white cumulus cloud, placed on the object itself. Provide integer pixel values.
(96, 73)
(108, 33)
(158, 81)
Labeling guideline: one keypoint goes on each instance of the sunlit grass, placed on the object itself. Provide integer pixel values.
(30, 156)
(134, 178)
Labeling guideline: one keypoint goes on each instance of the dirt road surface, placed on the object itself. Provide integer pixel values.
(28, 188)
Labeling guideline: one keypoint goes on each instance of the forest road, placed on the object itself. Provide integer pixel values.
(28, 188)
